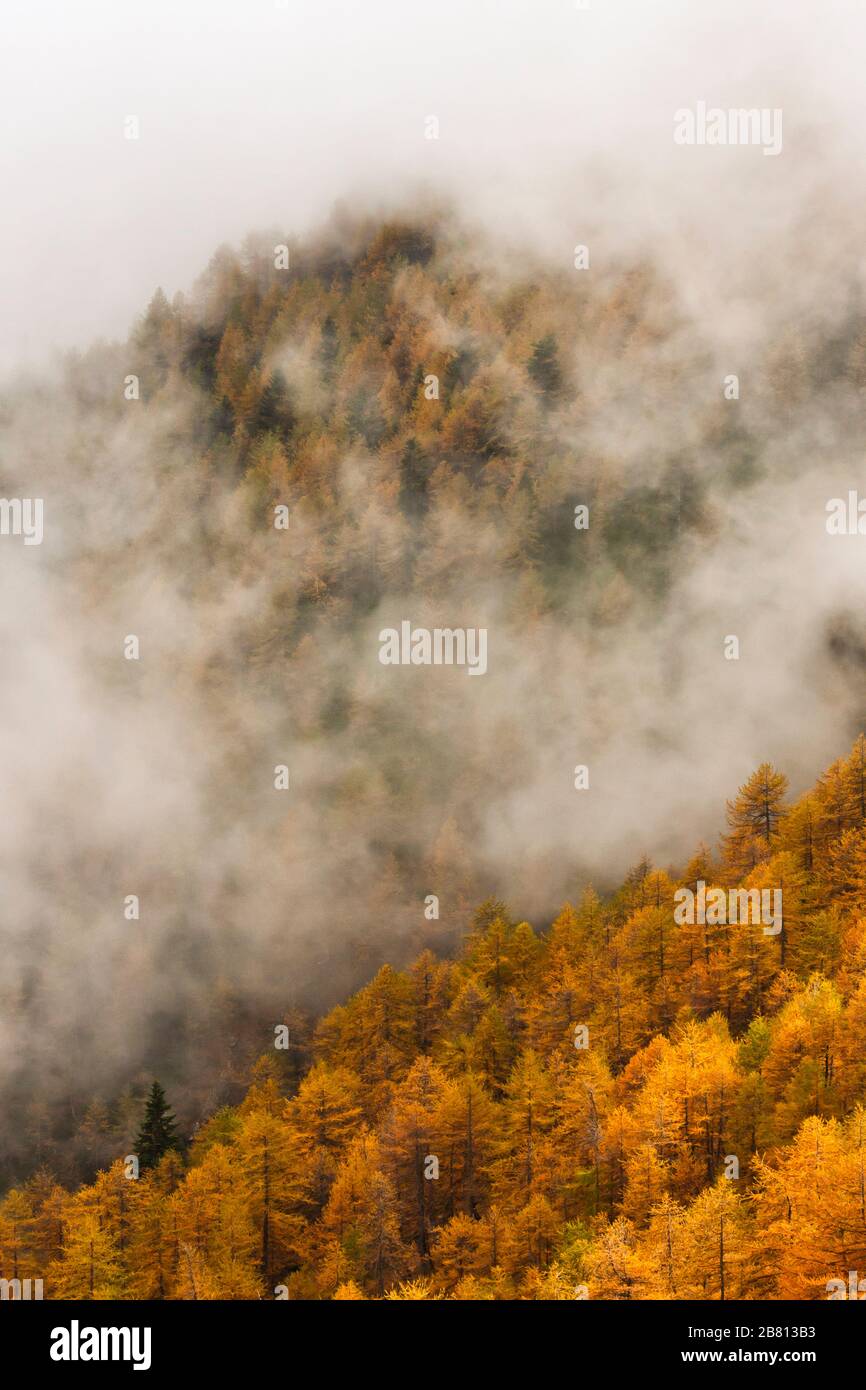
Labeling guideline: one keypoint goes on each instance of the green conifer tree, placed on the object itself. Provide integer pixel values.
(158, 1133)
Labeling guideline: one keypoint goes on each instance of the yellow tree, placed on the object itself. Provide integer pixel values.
(718, 1245)
(460, 1249)
(90, 1267)
(321, 1121)
(411, 1140)
(646, 1181)
(582, 1101)
(273, 1189)
(152, 1245)
(528, 1116)
(16, 1237)
(467, 1122)
(799, 1200)
(359, 1236)
(535, 1229)
(753, 818)
(614, 1263)
(48, 1199)
(666, 1251)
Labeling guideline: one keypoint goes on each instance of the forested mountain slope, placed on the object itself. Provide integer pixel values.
(624, 1105)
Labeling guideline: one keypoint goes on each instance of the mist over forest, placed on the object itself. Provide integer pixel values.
(307, 388)
(340, 960)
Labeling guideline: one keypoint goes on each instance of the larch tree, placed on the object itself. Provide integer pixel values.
(753, 817)
(90, 1267)
(411, 1140)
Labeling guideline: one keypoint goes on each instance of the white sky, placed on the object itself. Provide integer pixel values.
(254, 115)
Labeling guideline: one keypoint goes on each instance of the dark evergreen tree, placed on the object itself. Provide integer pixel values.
(543, 367)
(460, 370)
(158, 1133)
(415, 469)
(329, 349)
(276, 413)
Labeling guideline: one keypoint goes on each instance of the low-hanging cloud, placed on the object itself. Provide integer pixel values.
(155, 777)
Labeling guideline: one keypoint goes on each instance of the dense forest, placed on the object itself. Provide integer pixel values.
(398, 419)
(621, 1106)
